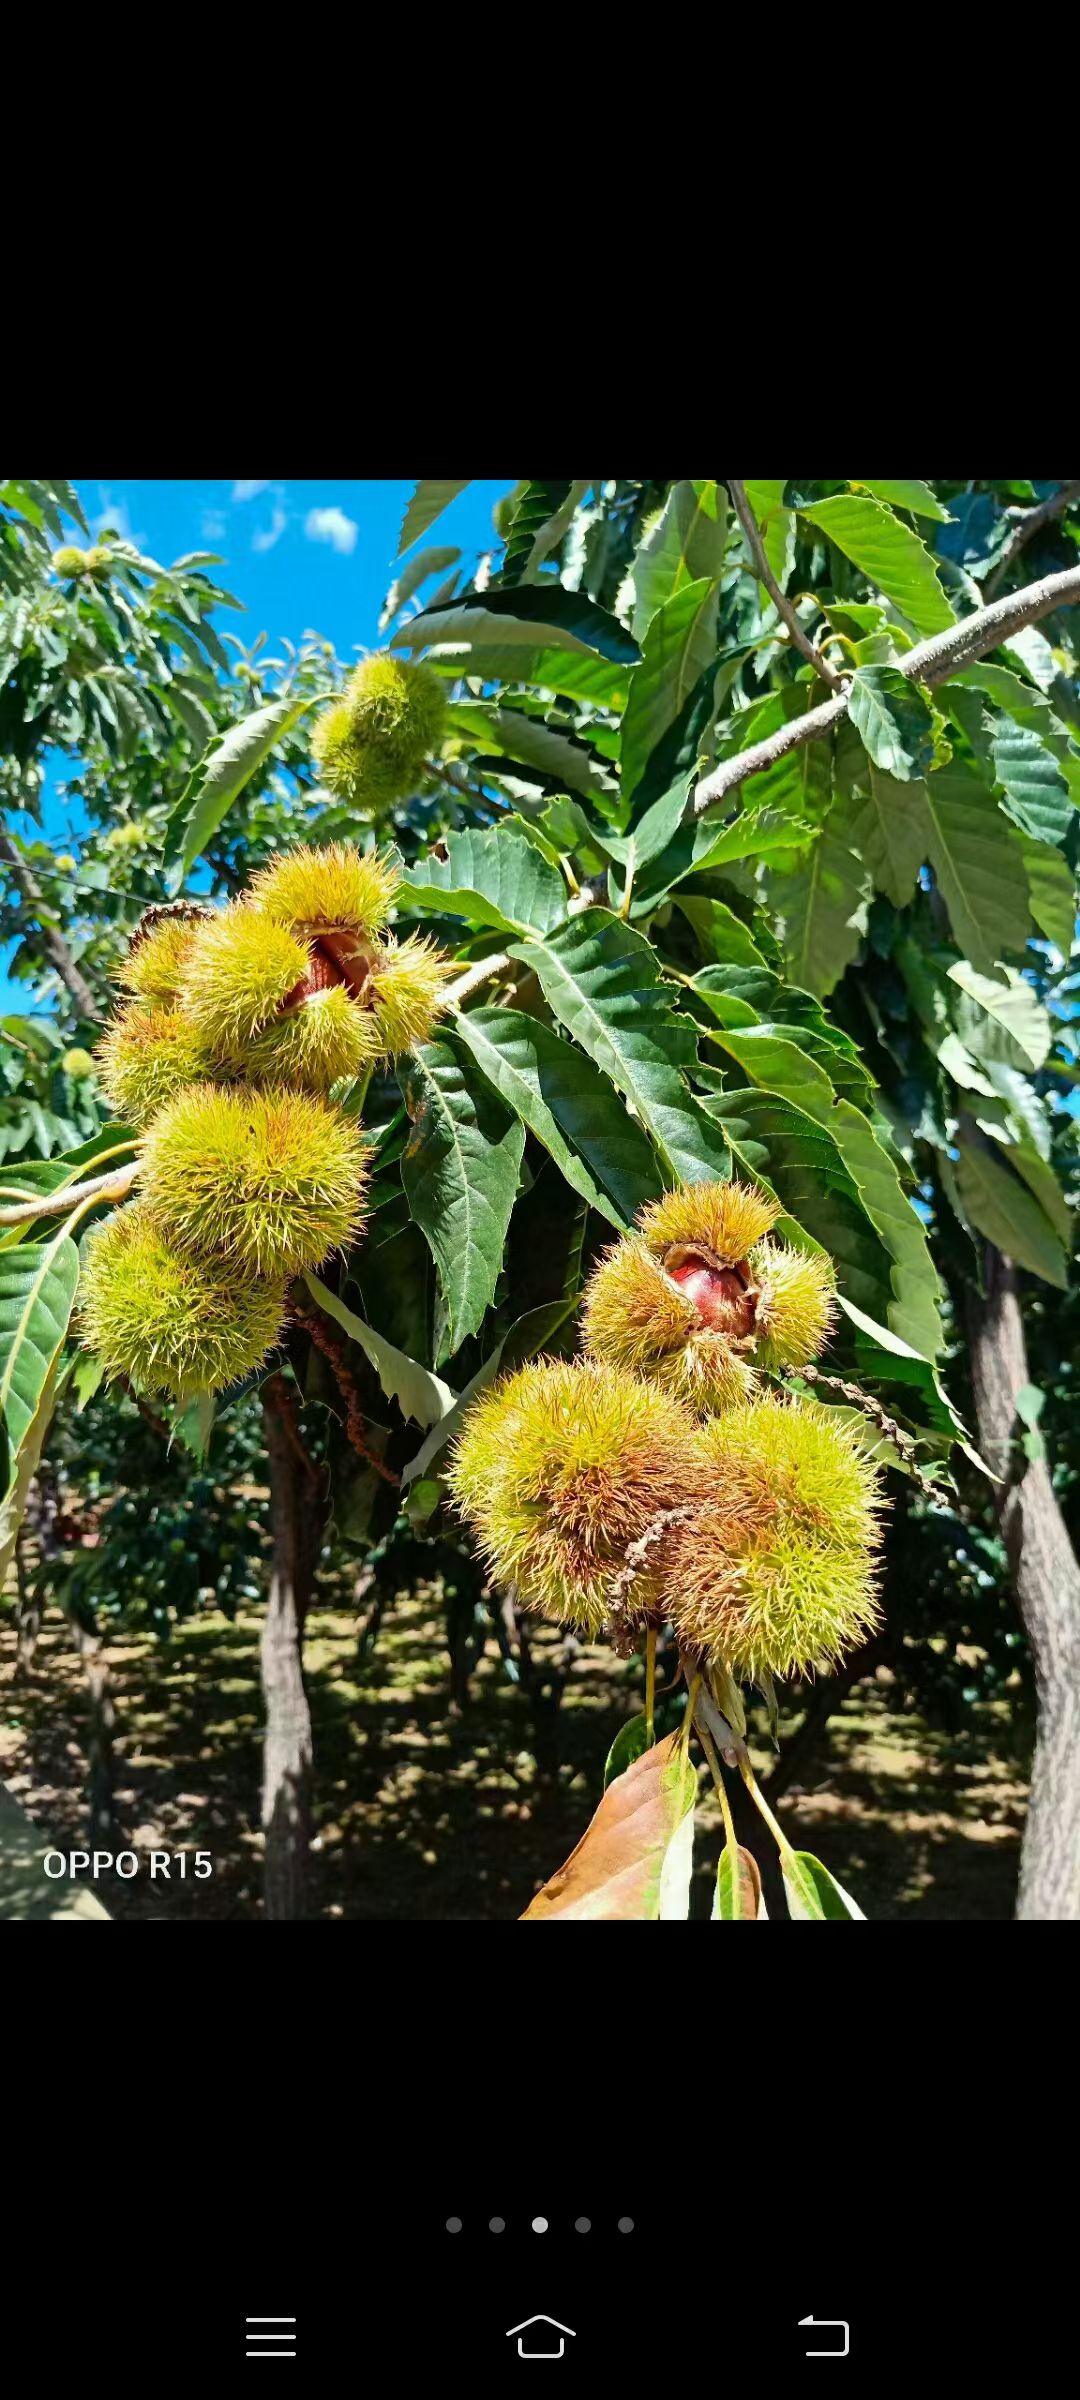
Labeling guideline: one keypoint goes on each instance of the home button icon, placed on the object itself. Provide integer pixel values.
(541, 2337)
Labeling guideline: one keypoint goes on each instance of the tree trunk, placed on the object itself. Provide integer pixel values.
(296, 1526)
(1046, 1579)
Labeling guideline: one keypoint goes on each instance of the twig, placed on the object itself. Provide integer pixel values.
(635, 1558)
(280, 1395)
(1026, 522)
(931, 662)
(864, 1400)
(484, 968)
(801, 639)
(144, 1407)
(54, 1204)
(332, 1346)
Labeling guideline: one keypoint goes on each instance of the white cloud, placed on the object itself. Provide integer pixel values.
(248, 491)
(266, 538)
(333, 526)
(113, 517)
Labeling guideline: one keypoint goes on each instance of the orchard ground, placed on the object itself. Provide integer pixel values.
(428, 1810)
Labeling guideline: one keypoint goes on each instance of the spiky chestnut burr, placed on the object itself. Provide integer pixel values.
(146, 1057)
(559, 1469)
(68, 562)
(160, 949)
(321, 1041)
(170, 1322)
(405, 991)
(698, 1298)
(271, 1179)
(241, 970)
(774, 1573)
(372, 743)
(338, 889)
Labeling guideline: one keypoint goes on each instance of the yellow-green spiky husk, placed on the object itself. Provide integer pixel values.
(146, 1057)
(68, 562)
(796, 1305)
(372, 743)
(99, 561)
(405, 991)
(725, 1218)
(170, 1322)
(776, 1571)
(78, 1064)
(634, 1315)
(157, 960)
(310, 890)
(272, 1179)
(241, 969)
(558, 1469)
(322, 1042)
(396, 707)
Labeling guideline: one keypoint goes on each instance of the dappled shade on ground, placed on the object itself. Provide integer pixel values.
(423, 1811)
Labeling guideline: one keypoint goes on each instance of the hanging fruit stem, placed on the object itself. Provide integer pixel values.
(762, 1806)
(707, 1744)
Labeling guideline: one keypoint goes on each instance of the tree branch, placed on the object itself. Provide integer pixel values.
(765, 575)
(54, 942)
(55, 1204)
(483, 970)
(930, 662)
(1026, 522)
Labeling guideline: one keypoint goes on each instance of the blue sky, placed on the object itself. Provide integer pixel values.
(303, 557)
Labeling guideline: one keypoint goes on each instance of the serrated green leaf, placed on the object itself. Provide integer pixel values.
(496, 878)
(419, 1394)
(602, 980)
(573, 1109)
(812, 1891)
(224, 769)
(426, 562)
(778, 1065)
(889, 554)
(970, 850)
(194, 1423)
(1019, 1031)
(1036, 793)
(724, 939)
(460, 1172)
(679, 645)
(907, 492)
(38, 1282)
(514, 735)
(894, 720)
(824, 905)
(889, 836)
(697, 849)
(1051, 892)
(542, 514)
(914, 1311)
(685, 545)
(527, 617)
(1006, 1213)
(428, 502)
(526, 1336)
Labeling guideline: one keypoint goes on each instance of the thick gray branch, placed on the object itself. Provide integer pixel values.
(930, 662)
(758, 553)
